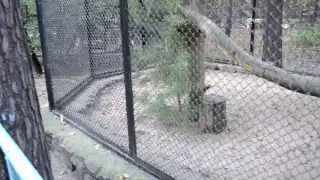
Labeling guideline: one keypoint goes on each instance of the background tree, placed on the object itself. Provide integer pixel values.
(229, 18)
(30, 22)
(17, 89)
(314, 12)
(272, 39)
(195, 40)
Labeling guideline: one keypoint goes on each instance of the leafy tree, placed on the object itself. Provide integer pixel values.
(307, 36)
(29, 14)
(302, 9)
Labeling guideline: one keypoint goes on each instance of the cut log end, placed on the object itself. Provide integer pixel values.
(213, 117)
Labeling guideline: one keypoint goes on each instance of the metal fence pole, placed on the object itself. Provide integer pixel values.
(89, 35)
(253, 18)
(124, 18)
(45, 60)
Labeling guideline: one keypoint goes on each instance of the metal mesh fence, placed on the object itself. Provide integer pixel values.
(221, 89)
(104, 28)
(83, 44)
(65, 34)
(198, 118)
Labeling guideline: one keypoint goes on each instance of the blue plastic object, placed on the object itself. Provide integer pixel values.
(19, 167)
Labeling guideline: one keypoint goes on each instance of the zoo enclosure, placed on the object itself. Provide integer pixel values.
(161, 84)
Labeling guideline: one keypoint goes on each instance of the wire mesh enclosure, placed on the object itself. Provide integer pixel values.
(191, 89)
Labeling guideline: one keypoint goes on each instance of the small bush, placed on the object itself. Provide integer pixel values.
(144, 57)
(30, 22)
(168, 113)
(308, 36)
(172, 82)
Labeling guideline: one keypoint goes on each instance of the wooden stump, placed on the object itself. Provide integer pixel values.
(213, 117)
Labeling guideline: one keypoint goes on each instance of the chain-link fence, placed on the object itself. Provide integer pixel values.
(191, 89)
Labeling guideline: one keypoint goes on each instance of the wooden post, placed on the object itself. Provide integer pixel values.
(213, 116)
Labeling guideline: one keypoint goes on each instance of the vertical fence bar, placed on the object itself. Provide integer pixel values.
(253, 18)
(89, 35)
(124, 19)
(44, 50)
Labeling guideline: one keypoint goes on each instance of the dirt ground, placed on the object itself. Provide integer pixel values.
(272, 133)
(41, 91)
(59, 167)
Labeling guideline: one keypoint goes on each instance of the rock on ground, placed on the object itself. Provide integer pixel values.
(60, 169)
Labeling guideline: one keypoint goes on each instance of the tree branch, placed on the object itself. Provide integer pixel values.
(303, 84)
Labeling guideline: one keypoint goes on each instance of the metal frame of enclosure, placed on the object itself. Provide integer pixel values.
(130, 155)
(90, 52)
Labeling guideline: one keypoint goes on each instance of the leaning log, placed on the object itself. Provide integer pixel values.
(303, 84)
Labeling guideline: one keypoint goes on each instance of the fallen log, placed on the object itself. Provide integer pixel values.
(295, 82)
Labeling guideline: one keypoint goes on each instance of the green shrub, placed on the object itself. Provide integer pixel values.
(30, 22)
(172, 100)
(308, 36)
(170, 80)
(144, 57)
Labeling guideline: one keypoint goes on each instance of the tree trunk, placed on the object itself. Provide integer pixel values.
(229, 19)
(313, 13)
(3, 167)
(272, 39)
(17, 89)
(196, 67)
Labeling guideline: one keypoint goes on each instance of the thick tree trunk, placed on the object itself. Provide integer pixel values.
(17, 89)
(3, 168)
(272, 39)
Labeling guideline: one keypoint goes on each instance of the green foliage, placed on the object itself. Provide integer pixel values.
(164, 112)
(29, 13)
(169, 114)
(170, 57)
(145, 57)
(308, 36)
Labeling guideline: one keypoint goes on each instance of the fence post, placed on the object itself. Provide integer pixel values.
(124, 19)
(45, 61)
(253, 18)
(89, 35)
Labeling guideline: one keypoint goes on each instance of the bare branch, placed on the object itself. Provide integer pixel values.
(303, 84)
